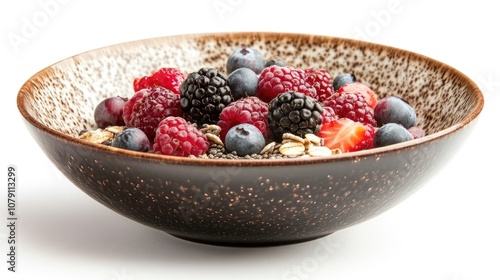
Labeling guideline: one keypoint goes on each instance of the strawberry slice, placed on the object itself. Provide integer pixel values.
(347, 135)
(357, 87)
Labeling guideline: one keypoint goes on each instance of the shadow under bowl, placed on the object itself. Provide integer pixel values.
(248, 202)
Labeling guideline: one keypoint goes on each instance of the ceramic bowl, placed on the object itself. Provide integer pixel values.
(248, 202)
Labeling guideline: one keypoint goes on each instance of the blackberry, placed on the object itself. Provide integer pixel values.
(296, 113)
(204, 94)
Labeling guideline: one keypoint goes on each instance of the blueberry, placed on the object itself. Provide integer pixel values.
(245, 57)
(245, 139)
(277, 62)
(394, 110)
(391, 133)
(131, 139)
(343, 79)
(109, 112)
(243, 82)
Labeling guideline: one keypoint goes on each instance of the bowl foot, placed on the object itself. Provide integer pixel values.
(248, 243)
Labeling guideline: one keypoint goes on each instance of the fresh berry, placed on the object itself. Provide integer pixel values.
(155, 105)
(243, 82)
(347, 135)
(129, 104)
(393, 109)
(250, 110)
(416, 132)
(370, 135)
(329, 114)
(352, 106)
(277, 62)
(131, 139)
(203, 96)
(245, 57)
(343, 79)
(169, 78)
(391, 133)
(357, 87)
(109, 112)
(295, 113)
(277, 79)
(177, 137)
(321, 81)
(244, 139)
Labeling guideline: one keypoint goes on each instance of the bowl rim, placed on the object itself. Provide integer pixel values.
(166, 159)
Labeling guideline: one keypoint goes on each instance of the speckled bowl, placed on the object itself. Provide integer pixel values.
(242, 202)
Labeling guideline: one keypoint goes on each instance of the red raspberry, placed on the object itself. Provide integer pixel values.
(275, 79)
(169, 78)
(127, 107)
(250, 110)
(328, 115)
(369, 135)
(357, 87)
(352, 106)
(150, 107)
(321, 81)
(177, 137)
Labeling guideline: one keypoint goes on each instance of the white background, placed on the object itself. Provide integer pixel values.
(446, 231)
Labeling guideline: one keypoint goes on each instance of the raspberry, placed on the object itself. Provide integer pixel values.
(352, 106)
(249, 110)
(357, 87)
(321, 81)
(369, 135)
(129, 104)
(329, 115)
(177, 137)
(155, 105)
(275, 79)
(169, 78)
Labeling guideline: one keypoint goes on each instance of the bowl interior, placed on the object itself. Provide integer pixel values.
(62, 97)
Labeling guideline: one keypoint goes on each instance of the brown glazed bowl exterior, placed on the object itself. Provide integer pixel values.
(248, 202)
